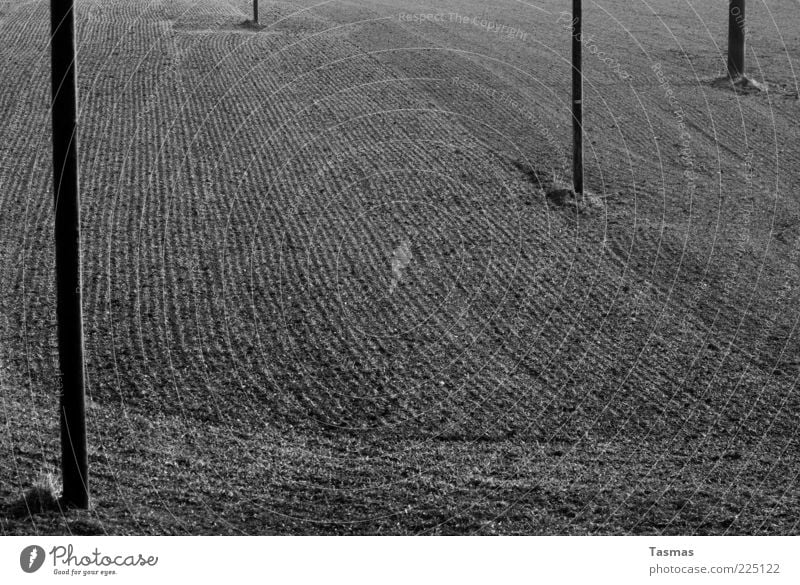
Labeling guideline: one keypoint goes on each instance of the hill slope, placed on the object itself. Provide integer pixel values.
(326, 291)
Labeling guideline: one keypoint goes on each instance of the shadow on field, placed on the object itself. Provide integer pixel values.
(35, 501)
(535, 176)
(38, 511)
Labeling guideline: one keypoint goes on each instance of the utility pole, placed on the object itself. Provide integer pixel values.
(577, 100)
(255, 11)
(736, 39)
(74, 459)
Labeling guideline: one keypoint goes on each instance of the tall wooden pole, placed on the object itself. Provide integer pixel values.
(74, 460)
(577, 99)
(736, 39)
(255, 11)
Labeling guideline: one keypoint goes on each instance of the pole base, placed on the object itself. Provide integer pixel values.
(73, 503)
(251, 25)
(584, 202)
(741, 84)
(561, 197)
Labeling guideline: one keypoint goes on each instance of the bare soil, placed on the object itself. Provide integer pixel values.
(326, 291)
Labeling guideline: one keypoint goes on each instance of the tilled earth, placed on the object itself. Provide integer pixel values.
(331, 284)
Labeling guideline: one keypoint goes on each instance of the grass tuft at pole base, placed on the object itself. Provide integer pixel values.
(42, 496)
(740, 84)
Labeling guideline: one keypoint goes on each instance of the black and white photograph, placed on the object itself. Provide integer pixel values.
(398, 268)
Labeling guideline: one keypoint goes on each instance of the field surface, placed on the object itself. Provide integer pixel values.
(331, 286)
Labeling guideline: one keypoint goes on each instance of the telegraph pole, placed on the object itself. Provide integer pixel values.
(74, 459)
(577, 100)
(255, 11)
(736, 39)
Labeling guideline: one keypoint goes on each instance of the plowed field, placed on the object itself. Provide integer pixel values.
(326, 291)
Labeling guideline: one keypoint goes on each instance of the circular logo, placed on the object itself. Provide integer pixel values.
(31, 558)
